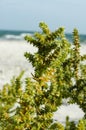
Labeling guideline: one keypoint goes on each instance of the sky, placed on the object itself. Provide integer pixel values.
(27, 14)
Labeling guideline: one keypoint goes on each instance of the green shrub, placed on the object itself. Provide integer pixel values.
(58, 74)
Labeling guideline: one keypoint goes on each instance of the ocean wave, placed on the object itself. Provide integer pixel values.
(10, 37)
(14, 36)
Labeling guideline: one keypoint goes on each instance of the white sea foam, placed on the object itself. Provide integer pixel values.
(15, 37)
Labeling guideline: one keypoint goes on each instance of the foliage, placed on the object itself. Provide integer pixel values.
(59, 73)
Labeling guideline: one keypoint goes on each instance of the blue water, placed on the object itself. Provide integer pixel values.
(19, 35)
(14, 35)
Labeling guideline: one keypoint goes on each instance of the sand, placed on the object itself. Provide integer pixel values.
(12, 61)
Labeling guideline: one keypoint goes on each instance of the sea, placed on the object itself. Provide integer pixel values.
(14, 35)
(19, 35)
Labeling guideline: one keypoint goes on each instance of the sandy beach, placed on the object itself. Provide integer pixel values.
(12, 61)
